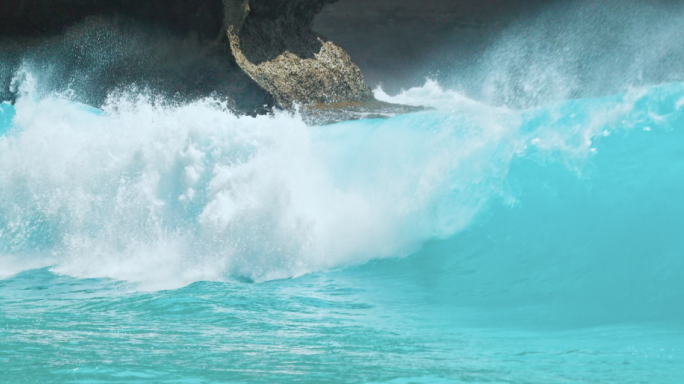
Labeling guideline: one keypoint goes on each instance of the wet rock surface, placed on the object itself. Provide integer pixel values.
(329, 77)
(256, 55)
(102, 56)
(273, 43)
(330, 113)
(175, 49)
(270, 28)
(181, 49)
(43, 18)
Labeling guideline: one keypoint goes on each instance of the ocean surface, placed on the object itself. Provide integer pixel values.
(150, 243)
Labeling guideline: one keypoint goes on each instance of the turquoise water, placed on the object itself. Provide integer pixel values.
(468, 244)
(6, 116)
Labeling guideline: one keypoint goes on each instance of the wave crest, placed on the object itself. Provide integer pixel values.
(168, 195)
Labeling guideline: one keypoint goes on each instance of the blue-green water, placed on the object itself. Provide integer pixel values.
(468, 244)
(6, 116)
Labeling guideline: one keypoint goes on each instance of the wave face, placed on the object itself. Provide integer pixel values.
(147, 193)
(404, 233)
(592, 221)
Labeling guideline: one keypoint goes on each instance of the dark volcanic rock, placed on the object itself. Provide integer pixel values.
(273, 43)
(273, 27)
(256, 54)
(173, 48)
(49, 17)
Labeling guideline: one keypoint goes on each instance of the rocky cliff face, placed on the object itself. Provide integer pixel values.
(257, 54)
(272, 41)
(173, 48)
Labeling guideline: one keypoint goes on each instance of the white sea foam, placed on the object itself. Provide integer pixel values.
(171, 195)
(432, 95)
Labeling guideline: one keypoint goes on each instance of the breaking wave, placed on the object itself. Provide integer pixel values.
(166, 195)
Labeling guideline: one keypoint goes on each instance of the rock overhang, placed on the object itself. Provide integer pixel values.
(260, 54)
(269, 44)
